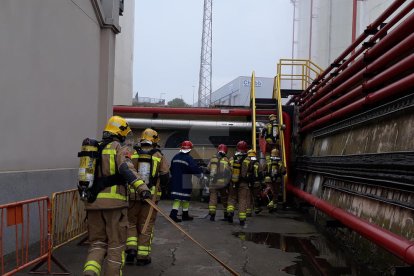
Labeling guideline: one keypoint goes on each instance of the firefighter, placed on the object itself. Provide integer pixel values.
(182, 168)
(271, 132)
(275, 171)
(239, 188)
(153, 168)
(255, 172)
(219, 168)
(107, 215)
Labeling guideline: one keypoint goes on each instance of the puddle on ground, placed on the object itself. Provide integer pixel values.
(318, 255)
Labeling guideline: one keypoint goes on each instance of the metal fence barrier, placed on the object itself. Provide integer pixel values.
(68, 217)
(26, 225)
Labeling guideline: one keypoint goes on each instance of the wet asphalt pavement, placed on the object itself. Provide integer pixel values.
(281, 243)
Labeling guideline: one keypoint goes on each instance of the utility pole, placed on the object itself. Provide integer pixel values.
(204, 87)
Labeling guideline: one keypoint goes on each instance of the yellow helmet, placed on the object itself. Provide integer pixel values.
(274, 152)
(272, 117)
(117, 126)
(251, 153)
(149, 136)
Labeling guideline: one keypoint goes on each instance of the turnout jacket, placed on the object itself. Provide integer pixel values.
(182, 168)
(116, 159)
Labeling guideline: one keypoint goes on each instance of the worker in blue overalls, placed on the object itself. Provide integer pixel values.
(182, 168)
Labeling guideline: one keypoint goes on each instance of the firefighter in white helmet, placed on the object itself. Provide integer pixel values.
(107, 211)
(153, 168)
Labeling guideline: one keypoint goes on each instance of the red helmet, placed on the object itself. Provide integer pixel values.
(242, 146)
(222, 148)
(186, 146)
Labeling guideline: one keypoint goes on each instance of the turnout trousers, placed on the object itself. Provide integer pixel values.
(238, 192)
(137, 215)
(107, 236)
(212, 205)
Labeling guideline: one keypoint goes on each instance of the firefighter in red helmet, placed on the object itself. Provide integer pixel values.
(182, 168)
(219, 168)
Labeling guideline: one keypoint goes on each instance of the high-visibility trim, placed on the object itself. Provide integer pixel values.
(138, 183)
(242, 215)
(181, 161)
(212, 207)
(156, 160)
(143, 247)
(230, 208)
(132, 241)
(180, 194)
(109, 150)
(176, 204)
(134, 156)
(248, 211)
(92, 266)
(112, 195)
(143, 253)
(185, 204)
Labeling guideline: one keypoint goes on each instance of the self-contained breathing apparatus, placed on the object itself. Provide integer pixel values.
(219, 177)
(236, 169)
(89, 183)
(147, 166)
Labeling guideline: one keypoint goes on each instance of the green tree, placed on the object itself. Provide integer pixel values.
(177, 102)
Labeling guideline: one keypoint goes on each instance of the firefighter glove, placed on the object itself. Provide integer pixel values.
(145, 194)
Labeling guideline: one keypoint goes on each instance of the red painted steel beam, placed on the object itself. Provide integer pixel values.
(397, 69)
(397, 245)
(379, 49)
(392, 90)
(374, 25)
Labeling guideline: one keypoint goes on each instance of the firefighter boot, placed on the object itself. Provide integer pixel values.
(143, 261)
(212, 217)
(242, 222)
(230, 217)
(131, 254)
(225, 217)
(257, 210)
(186, 216)
(173, 215)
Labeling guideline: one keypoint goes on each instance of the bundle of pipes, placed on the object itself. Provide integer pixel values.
(355, 86)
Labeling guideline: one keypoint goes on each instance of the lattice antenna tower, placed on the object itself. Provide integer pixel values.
(204, 86)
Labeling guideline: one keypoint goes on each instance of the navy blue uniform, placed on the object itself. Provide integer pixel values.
(182, 168)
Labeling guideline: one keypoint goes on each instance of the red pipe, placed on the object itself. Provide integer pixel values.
(397, 69)
(188, 111)
(402, 30)
(397, 245)
(374, 25)
(391, 90)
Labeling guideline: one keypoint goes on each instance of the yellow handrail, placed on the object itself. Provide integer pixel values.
(253, 103)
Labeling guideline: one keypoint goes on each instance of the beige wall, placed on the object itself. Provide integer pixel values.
(56, 81)
(124, 57)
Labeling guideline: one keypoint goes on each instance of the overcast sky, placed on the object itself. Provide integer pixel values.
(247, 35)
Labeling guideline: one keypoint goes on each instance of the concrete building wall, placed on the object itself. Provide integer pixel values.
(56, 83)
(124, 47)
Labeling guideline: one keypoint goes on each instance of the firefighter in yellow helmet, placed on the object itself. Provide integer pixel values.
(254, 175)
(242, 173)
(219, 168)
(273, 177)
(153, 168)
(107, 212)
(271, 132)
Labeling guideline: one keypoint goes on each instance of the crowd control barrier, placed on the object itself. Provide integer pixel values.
(68, 216)
(68, 223)
(25, 228)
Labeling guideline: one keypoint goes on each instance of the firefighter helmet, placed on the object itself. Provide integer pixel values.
(251, 153)
(222, 148)
(272, 117)
(118, 126)
(241, 146)
(186, 146)
(274, 154)
(149, 136)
